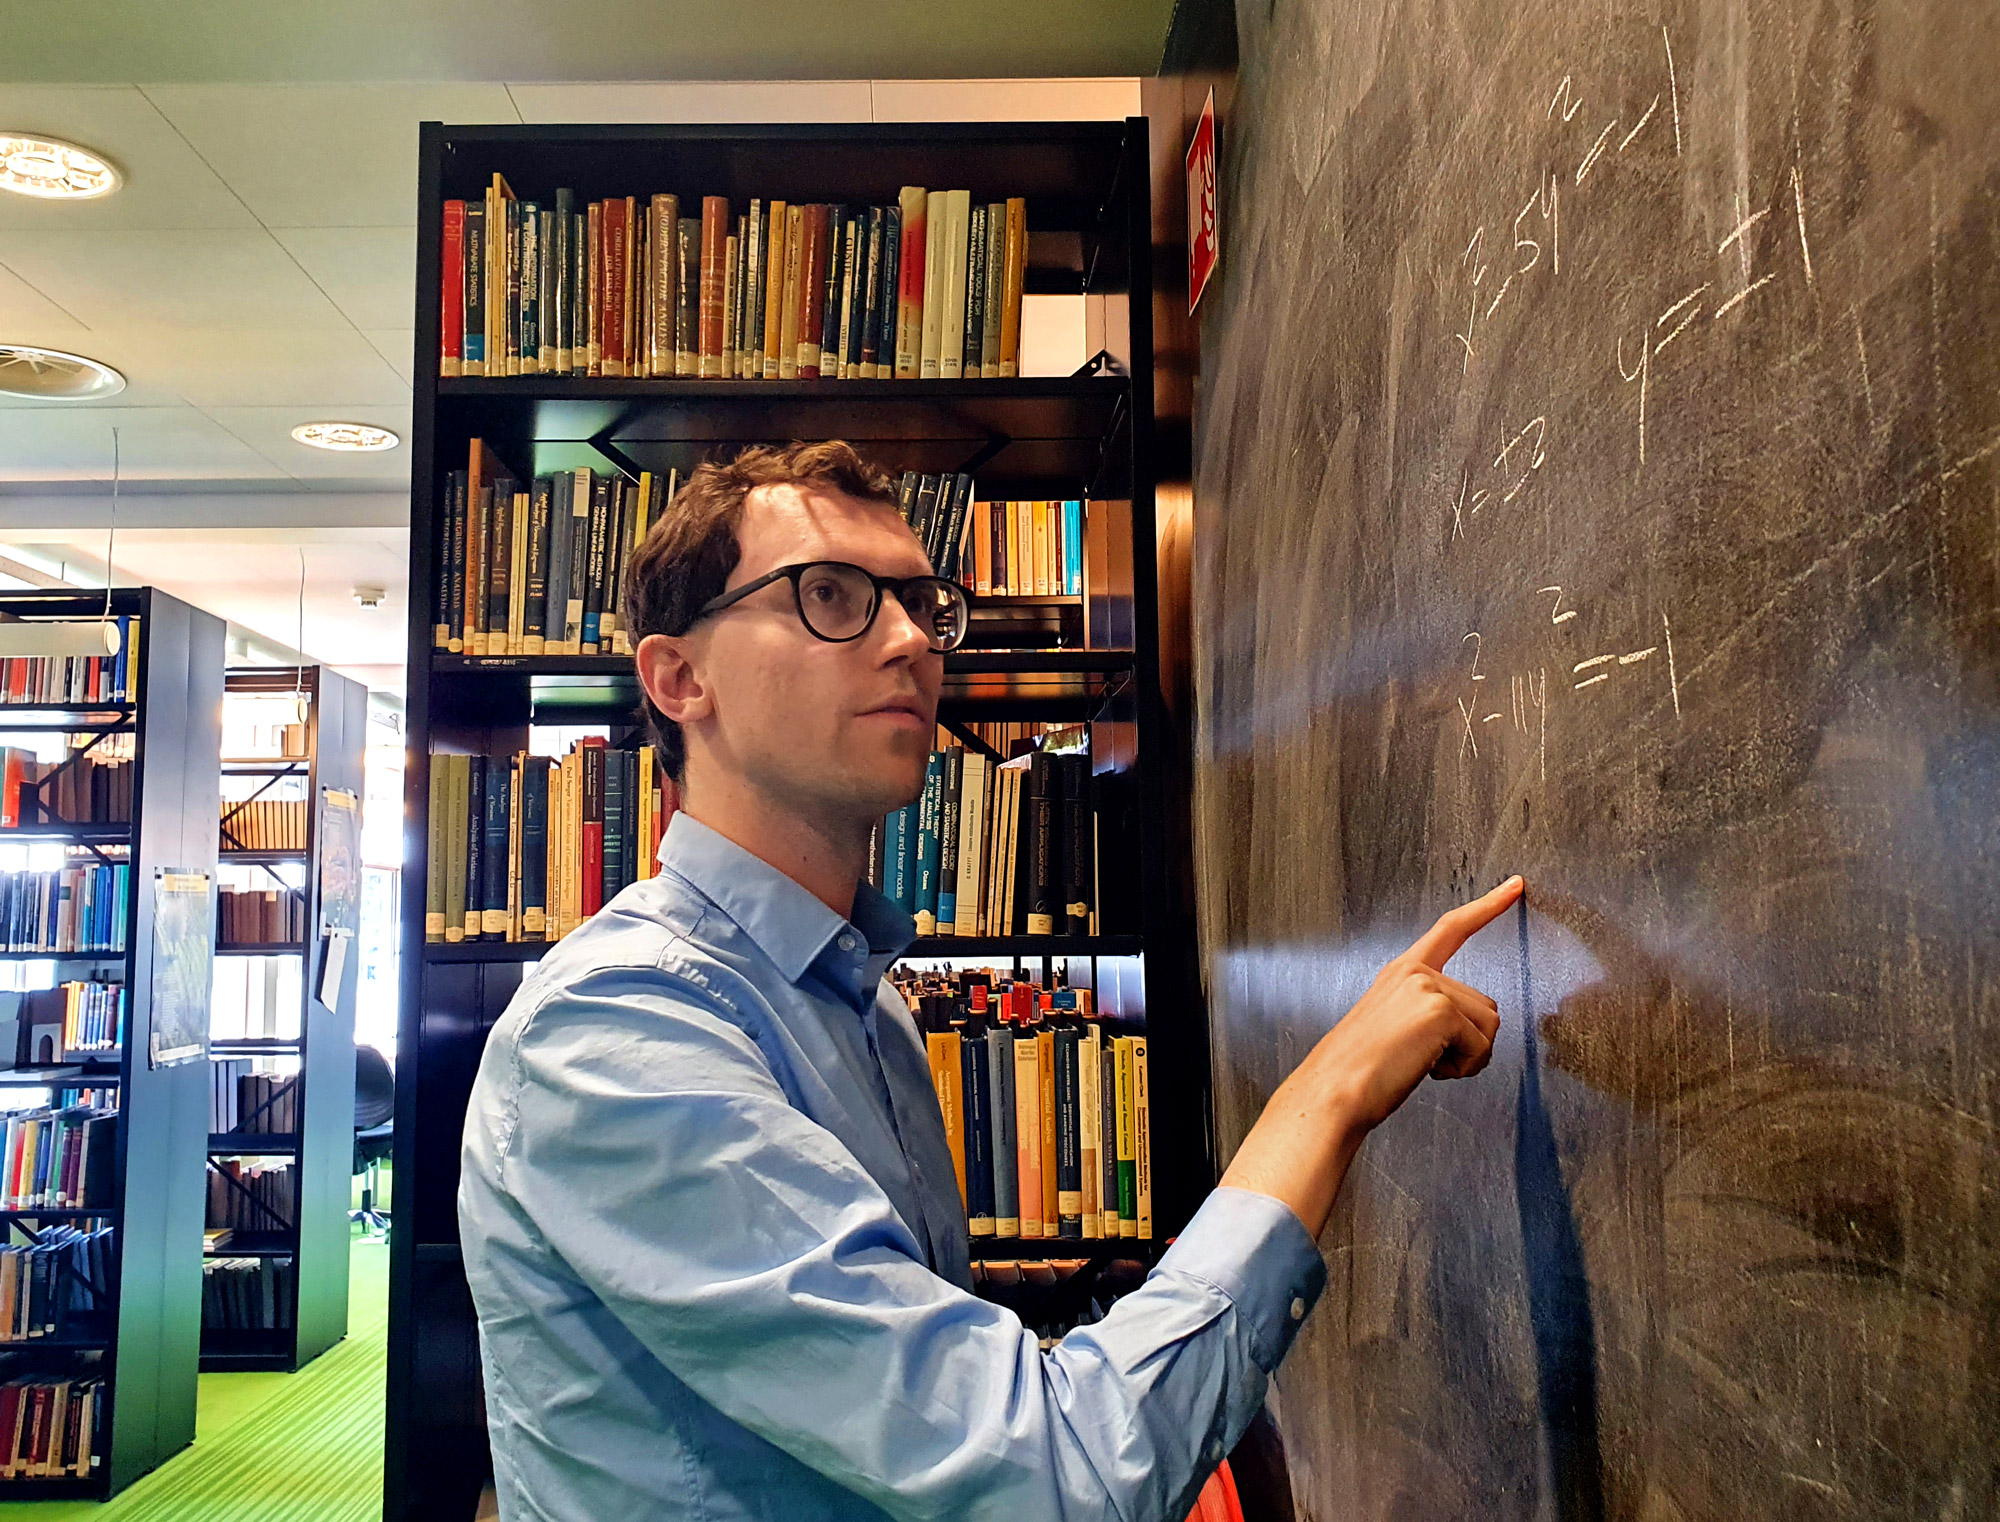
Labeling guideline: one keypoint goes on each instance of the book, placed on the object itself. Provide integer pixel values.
(1045, 1040)
(1003, 1147)
(1013, 275)
(1107, 1138)
(975, 1087)
(975, 296)
(913, 264)
(993, 287)
(772, 278)
(791, 299)
(951, 314)
(814, 257)
(1069, 1132)
(1142, 1146)
(1028, 1132)
(1090, 1164)
(946, 922)
(495, 855)
(928, 824)
(713, 273)
(943, 1050)
(936, 236)
(457, 800)
(451, 295)
(1043, 875)
(472, 284)
(475, 847)
(1128, 1165)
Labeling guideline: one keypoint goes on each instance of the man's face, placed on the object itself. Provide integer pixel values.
(823, 730)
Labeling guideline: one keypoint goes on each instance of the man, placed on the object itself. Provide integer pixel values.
(709, 1215)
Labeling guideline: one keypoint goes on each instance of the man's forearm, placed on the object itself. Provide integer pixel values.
(1300, 1148)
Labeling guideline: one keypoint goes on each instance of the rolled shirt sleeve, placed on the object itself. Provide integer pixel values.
(748, 1252)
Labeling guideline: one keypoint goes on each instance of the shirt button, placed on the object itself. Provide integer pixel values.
(847, 943)
(1215, 1450)
(1298, 1309)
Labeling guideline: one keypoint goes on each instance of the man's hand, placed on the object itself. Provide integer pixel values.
(1413, 1022)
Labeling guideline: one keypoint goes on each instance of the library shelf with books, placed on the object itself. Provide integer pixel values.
(98, 1348)
(1081, 655)
(281, 1046)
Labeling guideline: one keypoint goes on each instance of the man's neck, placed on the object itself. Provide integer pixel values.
(824, 858)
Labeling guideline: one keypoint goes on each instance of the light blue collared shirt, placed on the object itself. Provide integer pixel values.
(719, 1257)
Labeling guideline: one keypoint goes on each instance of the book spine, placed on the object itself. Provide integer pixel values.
(791, 303)
(937, 237)
(1069, 1135)
(814, 260)
(978, 1130)
(1090, 1130)
(617, 509)
(532, 260)
(472, 318)
(947, 840)
(714, 270)
(434, 857)
(972, 809)
(927, 845)
(1003, 1148)
(1045, 1039)
(581, 492)
(687, 299)
(1142, 1144)
(1128, 1173)
(777, 253)
(887, 300)
(896, 859)
(993, 286)
(535, 586)
(590, 864)
(1028, 1131)
(1013, 275)
(441, 622)
(515, 767)
(494, 853)
(975, 294)
(630, 317)
(1078, 846)
(556, 593)
(663, 217)
(924, 513)
(1043, 874)
(756, 233)
(612, 865)
(732, 305)
(951, 321)
(951, 542)
(943, 1048)
(451, 292)
(534, 847)
(562, 293)
(500, 560)
(579, 293)
(870, 298)
(913, 262)
(457, 788)
(475, 847)
(593, 593)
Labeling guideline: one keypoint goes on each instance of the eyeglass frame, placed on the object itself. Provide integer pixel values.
(880, 584)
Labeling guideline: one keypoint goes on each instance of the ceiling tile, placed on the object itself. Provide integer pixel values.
(274, 367)
(154, 444)
(323, 155)
(398, 347)
(268, 430)
(170, 279)
(794, 100)
(29, 317)
(1004, 100)
(369, 272)
(166, 183)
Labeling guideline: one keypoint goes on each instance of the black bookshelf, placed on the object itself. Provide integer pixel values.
(145, 1348)
(1092, 659)
(316, 1236)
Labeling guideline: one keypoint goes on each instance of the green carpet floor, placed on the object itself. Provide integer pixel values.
(304, 1447)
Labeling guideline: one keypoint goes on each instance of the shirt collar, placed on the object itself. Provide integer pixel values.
(787, 923)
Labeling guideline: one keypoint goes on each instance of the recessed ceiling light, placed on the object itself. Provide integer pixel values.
(51, 375)
(354, 438)
(40, 166)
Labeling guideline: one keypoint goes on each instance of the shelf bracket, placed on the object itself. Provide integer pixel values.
(237, 1184)
(971, 738)
(985, 454)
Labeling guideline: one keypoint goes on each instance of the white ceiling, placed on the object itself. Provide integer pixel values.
(256, 271)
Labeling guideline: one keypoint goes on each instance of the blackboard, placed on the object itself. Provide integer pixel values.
(1598, 477)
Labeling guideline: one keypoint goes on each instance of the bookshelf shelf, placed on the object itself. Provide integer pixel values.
(1092, 659)
(142, 1347)
(320, 1152)
(251, 1144)
(1096, 1249)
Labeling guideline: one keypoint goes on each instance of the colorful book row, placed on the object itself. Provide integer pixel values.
(72, 679)
(58, 1159)
(65, 910)
(50, 1429)
(929, 288)
(49, 1288)
(1026, 549)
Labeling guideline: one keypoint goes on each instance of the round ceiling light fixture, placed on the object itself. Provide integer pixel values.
(349, 438)
(53, 170)
(50, 375)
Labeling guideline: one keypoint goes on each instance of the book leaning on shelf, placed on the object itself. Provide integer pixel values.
(72, 679)
(46, 1286)
(929, 287)
(58, 1159)
(526, 848)
(65, 910)
(251, 1194)
(538, 567)
(91, 786)
(995, 848)
(1047, 1111)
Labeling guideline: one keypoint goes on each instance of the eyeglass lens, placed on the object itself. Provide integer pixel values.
(837, 602)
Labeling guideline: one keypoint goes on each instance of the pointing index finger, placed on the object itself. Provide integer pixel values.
(1455, 927)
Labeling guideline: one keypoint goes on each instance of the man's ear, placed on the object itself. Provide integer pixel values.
(671, 678)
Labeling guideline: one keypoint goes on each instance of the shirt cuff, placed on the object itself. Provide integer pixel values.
(1253, 1249)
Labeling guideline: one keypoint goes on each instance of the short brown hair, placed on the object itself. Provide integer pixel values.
(691, 550)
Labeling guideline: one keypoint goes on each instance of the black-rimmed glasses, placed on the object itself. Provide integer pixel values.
(837, 602)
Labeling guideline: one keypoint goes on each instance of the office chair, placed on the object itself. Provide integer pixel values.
(374, 1131)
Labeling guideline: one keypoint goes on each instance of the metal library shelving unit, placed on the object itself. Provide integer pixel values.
(135, 1330)
(269, 1018)
(1092, 659)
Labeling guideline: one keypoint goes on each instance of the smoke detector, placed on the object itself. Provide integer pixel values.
(52, 376)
